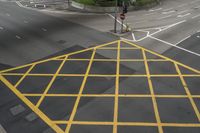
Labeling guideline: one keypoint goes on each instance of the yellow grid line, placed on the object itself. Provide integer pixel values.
(116, 95)
(115, 117)
(51, 82)
(110, 95)
(164, 57)
(23, 77)
(115, 60)
(102, 75)
(130, 123)
(155, 106)
(188, 92)
(79, 95)
(31, 106)
(69, 54)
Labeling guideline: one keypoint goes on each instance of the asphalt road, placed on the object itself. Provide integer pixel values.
(170, 29)
(27, 32)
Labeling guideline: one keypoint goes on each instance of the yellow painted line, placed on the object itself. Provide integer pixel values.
(115, 119)
(22, 78)
(51, 82)
(79, 94)
(103, 75)
(155, 106)
(42, 61)
(115, 48)
(110, 95)
(31, 106)
(130, 123)
(159, 55)
(188, 92)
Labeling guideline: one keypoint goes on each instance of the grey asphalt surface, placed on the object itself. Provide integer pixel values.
(50, 36)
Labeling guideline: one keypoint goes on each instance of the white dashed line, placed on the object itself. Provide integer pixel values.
(181, 12)
(149, 14)
(25, 21)
(43, 29)
(164, 17)
(18, 37)
(167, 9)
(7, 14)
(168, 12)
(152, 10)
(182, 5)
(181, 16)
(196, 16)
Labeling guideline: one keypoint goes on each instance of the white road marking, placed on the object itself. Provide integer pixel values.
(117, 19)
(183, 40)
(196, 16)
(18, 37)
(168, 12)
(167, 9)
(186, 50)
(1, 28)
(7, 14)
(159, 30)
(2, 130)
(25, 21)
(43, 29)
(182, 5)
(164, 17)
(181, 16)
(133, 37)
(19, 4)
(198, 36)
(149, 14)
(194, 2)
(181, 12)
(197, 7)
(152, 10)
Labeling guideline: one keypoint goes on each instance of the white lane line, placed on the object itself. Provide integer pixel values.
(149, 14)
(117, 19)
(167, 9)
(18, 37)
(182, 5)
(152, 10)
(25, 21)
(7, 14)
(183, 40)
(181, 16)
(197, 7)
(2, 130)
(133, 37)
(196, 16)
(1, 28)
(168, 12)
(43, 29)
(194, 2)
(186, 50)
(164, 17)
(163, 28)
(181, 12)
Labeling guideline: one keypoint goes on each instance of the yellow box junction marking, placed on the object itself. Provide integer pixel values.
(115, 45)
